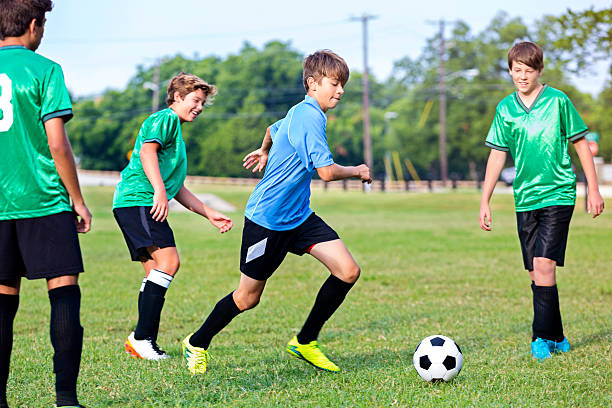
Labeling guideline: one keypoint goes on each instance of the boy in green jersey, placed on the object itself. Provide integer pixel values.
(41, 205)
(155, 175)
(535, 125)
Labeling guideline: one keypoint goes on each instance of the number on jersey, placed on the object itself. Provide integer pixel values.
(6, 94)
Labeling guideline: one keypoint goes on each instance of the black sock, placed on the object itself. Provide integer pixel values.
(330, 297)
(223, 313)
(8, 310)
(142, 286)
(67, 340)
(546, 314)
(150, 304)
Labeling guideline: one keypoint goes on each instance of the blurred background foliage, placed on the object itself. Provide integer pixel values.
(256, 87)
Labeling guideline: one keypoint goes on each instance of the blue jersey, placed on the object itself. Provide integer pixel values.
(281, 200)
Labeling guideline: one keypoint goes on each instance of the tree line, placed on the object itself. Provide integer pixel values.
(256, 87)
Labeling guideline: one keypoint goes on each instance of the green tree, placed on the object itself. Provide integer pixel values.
(256, 87)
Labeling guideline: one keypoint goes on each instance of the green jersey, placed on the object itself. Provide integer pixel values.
(32, 91)
(135, 189)
(537, 138)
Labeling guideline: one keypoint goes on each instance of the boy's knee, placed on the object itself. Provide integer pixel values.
(170, 265)
(352, 274)
(246, 301)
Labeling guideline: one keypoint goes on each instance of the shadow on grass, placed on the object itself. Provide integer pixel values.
(274, 376)
(587, 340)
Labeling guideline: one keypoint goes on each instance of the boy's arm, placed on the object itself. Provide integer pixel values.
(192, 203)
(338, 172)
(496, 162)
(595, 203)
(150, 165)
(259, 156)
(59, 145)
(266, 143)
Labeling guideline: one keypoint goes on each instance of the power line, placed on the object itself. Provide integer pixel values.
(166, 38)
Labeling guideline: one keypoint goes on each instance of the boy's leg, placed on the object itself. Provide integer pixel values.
(261, 253)
(66, 336)
(161, 269)
(9, 302)
(159, 274)
(245, 297)
(344, 273)
(142, 286)
(543, 234)
(152, 243)
(547, 323)
(49, 246)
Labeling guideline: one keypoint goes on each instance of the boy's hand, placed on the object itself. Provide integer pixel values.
(160, 206)
(364, 173)
(595, 204)
(220, 221)
(485, 217)
(83, 224)
(258, 157)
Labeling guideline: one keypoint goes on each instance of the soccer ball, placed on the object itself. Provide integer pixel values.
(437, 358)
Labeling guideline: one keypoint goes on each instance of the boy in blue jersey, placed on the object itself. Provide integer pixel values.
(278, 219)
(41, 205)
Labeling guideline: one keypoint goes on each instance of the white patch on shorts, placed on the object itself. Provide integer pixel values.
(256, 250)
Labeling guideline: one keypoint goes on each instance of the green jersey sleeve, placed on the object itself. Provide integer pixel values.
(54, 96)
(572, 126)
(497, 137)
(162, 129)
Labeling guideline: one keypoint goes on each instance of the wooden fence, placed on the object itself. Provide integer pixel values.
(110, 178)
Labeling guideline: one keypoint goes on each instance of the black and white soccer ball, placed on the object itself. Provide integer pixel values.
(437, 358)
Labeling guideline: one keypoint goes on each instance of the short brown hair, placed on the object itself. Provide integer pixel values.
(325, 63)
(528, 53)
(185, 84)
(16, 15)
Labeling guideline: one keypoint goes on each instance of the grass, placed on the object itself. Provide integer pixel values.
(427, 269)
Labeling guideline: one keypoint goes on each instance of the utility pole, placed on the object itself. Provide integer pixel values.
(155, 101)
(367, 140)
(442, 91)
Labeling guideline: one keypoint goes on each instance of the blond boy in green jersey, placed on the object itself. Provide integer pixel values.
(41, 206)
(156, 174)
(535, 125)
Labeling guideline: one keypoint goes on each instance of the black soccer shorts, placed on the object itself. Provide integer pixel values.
(141, 231)
(40, 247)
(263, 250)
(543, 233)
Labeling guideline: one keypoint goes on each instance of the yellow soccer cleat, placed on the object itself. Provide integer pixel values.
(311, 353)
(196, 357)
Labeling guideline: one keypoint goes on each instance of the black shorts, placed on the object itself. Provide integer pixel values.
(141, 231)
(40, 247)
(543, 233)
(263, 250)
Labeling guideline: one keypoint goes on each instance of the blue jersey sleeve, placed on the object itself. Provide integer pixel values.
(306, 133)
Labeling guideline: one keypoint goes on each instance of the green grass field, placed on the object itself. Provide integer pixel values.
(427, 268)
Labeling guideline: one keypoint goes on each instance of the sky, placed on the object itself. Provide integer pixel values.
(100, 44)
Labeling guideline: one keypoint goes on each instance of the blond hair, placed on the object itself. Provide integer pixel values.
(185, 84)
